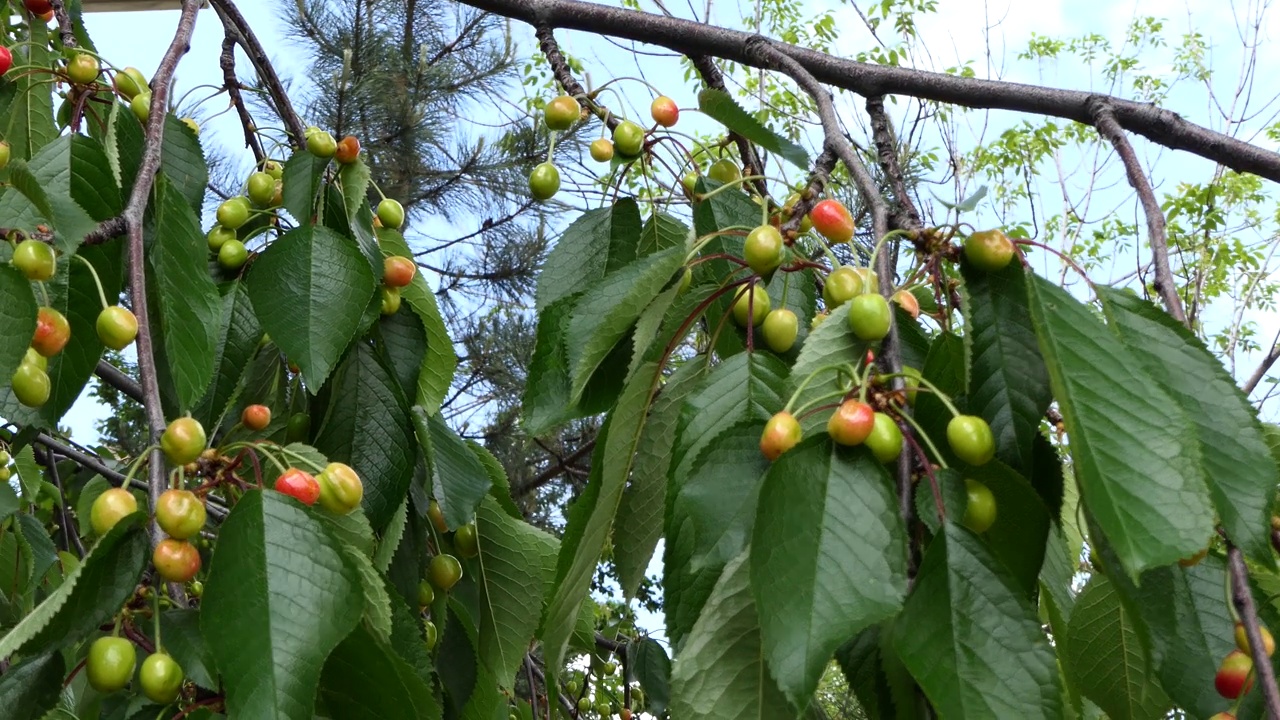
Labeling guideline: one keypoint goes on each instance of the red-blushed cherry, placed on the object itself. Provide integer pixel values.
(664, 111)
(348, 150)
(256, 417)
(562, 112)
(781, 433)
(176, 560)
(832, 220)
(340, 488)
(300, 485)
(180, 513)
(1242, 639)
(907, 302)
(398, 271)
(52, 332)
(1223, 716)
(1235, 675)
(851, 423)
(109, 508)
(6, 59)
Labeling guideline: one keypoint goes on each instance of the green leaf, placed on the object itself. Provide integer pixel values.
(500, 489)
(721, 106)
(586, 532)
(377, 603)
(10, 504)
(17, 319)
(275, 572)
(403, 342)
(303, 180)
(517, 566)
(876, 675)
(43, 552)
(459, 479)
(188, 299)
(88, 596)
(180, 631)
(70, 183)
(1022, 522)
(440, 361)
(32, 687)
(1233, 452)
(29, 473)
(578, 258)
(30, 111)
(182, 161)
(720, 674)
(1009, 386)
(391, 537)
(1131, 446)
(1185, 612)
(545, 403)
(624, 235)
(970, 639)
(648, 664)
(1105, 659)
(831, 343)
(644, 499)
(366, 425)
(828, 558)
(355, 186)
(238, 336)
(365, 678)
(661, 232)
(310, 288)
(604, 314)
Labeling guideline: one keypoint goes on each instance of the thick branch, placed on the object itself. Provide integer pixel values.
(236, 24)
(904, 216)
(108, 229)
(1242, 599)
(133, 218)
(64, 23)
(115, 377)
(555, 471)
(1270, 359)
(692, 38)
(1164, 282)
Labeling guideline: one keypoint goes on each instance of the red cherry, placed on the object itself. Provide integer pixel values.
(348, 150)
(52, 332)
(781, 433)
(832, 219)
(6, 60)
(298, 484)
(851, 423)
(256, 417)
(38, 7)
(1234, 676)
(176, 560)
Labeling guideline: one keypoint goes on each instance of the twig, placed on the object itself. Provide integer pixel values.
(537, 673)
(552, 473)
(819, 176)
(232, 83)
(905, 215)
(115, 377)
(64, 23)
(1107, 126)
(560, 69)
(235, 23)
(108, 229)
(693, 38)
(1270, 359)
(70, 536)
(1242, 599)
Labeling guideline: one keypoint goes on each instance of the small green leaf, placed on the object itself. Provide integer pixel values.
(720, 673)
(355, 186)
(188, 299)
(366, 425)
(180, 631)
(275, 572)
(29, 474)
(303, 180)
(17, 319)
(971, 640)
(831, 343)
(828, 558)
(30, 111)
(1132, 448)
(721, 106)
(648, 664)
(1105, 659)
(310, 288)
(88, 596)
(182, 161)
(459, 480)
(365, 679)
(32, 687)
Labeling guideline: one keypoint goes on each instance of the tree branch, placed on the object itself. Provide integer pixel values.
(1161, 126)
(64, 27)
(552, 473)
(751, 165)
(560, 68)
(236, 24)
(71, 538)
(1242, 599)
(232, 83)
(1270, 359)
(1107, 126)
(133, 218)
(905, 215)
(115, 377)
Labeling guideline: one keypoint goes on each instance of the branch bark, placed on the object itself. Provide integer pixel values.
(115, 377)
(1161, 126)
(1107, 126)
(235, 23)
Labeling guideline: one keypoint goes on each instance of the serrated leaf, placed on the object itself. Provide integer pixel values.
(355, 186)
(604, 314)
(517, 565)
(365, 678)
(188, 299)
(644, 500)
(180, 631)
(30, 112)
(88, 596)
(440, 361)
(500, 489)
(391, 537)
(624, 235)
(69, 181)
(17, 319)
(32, 687)
(828, 558)
(1233, 452)
(661, 232)
(578, 258)
(182, 161)
(876, 675)
(366, 425)
(303, 178)
(971, 640)
(648, 664)
(459, 480)
(1105, 659)
(721, 106)
(29, 474)
(10, 504)
(377, 603)
(831, 343)
(587, 531)
(545, 402)
(310, 288)
(1133, 455)
(720, 674)
(1009, 386)
(43, 552)
(274, 571)
(238, 336)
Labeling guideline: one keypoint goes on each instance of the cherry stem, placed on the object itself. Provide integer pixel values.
(887, 236)
(705, 239)
(928, 471)
(925, 437)
(931, 388)
(102, 295)
(838, 367)
(137, 463)
(155, 597)
(1061, 256)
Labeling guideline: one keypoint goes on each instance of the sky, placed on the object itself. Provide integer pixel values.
(989, 33)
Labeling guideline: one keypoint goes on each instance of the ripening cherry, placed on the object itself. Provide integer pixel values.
(176, 560)
(109, 508)
(664, 111)
(6, 60)
(870, 317)
(52, 332)
(340, 488)
(348, 150)
(436, 514)
(1242, 639)
(885, 440)
(832, 220)
(562, 112)
(31, 385)
(1235, 675)
(298, 484)
(780, 328)
(83, 68)
(1223, 716)
(130, 82)
(398, 271)
(907, 302)
(117, 327)
(183, 441)
(256, 417)
(842, 285)
(781, 433)
(971, 439)
(988, 250)
(851, 423)
(601, 150)
(180, 513)
(140, 105)
(754, 304)
(763, 249)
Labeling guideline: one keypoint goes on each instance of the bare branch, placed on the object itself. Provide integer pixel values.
(1270, 359)
(115, 377)
(564, 76)
(552, 473)
(905, 215)
(232, 83)
(1164, 282)
(693, 38)
(1242, 599)
(64, 26)
(236, 24)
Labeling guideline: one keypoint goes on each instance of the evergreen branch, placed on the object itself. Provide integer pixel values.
(1157, 124)
(555, 471)
(1107, 126)
(235, 24)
